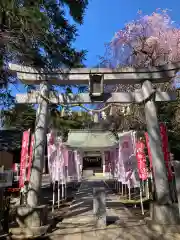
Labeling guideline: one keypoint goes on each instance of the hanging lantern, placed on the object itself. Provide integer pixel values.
(96, 87)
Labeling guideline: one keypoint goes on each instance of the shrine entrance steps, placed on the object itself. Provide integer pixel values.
(95, 175)
(122, 224)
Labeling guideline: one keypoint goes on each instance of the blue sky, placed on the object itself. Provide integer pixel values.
(104, 17)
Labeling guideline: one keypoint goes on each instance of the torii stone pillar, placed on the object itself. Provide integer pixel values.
(33, 217)
(39, 147)
(162, 211)
(159, 168)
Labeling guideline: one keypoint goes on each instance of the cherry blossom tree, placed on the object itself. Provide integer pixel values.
(150, 40)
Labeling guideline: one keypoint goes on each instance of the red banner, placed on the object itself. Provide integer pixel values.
(15, 167)
(164, 139)
(24, 157)
(148, 148)
(141, 160)
(30, 158)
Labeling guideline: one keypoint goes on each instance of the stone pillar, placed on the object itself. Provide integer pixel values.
(39, 147)
(159, 168)
(176, 165)
(163, 199)
(30, 217)
(99, 206)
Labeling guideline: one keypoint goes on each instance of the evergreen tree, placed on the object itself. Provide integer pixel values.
(22, 117)
(38, 34)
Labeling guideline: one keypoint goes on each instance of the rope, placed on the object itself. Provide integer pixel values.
(80, 105)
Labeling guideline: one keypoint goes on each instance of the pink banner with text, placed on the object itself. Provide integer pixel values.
(165, 148)
(24, 158)
(141, 160)
(30, 158)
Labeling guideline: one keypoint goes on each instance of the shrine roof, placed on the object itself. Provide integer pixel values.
(88, 139)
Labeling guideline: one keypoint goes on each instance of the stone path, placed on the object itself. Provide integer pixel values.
(79, 222)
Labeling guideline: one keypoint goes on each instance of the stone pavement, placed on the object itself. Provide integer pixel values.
(79, 222)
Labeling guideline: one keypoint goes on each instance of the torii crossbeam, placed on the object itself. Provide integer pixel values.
(146, 94)
(81, 76)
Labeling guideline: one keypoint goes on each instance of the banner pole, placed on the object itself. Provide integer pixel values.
(115, 185)
(62, 186)
(65, 189)
(129, 188)
(125, 191)
(57, 169)
(141, 199)
(53, 202)
(58, 194)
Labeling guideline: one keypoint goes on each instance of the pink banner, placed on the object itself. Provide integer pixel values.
(121, 168)
(24, 158)
(148, 148)
(65, 155)
(141, 160)
(30, 158)
(15, 167)
(52, 154)
(127, 163)
(56, 160)
(62, 160)
(164, 139)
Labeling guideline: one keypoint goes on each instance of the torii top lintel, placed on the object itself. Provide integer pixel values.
(81, 76)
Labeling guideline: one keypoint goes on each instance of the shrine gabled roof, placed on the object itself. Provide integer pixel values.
(91, 139)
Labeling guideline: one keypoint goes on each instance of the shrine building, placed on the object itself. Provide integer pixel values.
(96, 148)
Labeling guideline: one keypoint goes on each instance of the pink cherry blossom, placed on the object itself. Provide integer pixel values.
(149, 40)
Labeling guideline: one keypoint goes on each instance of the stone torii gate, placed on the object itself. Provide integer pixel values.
(146, 95)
